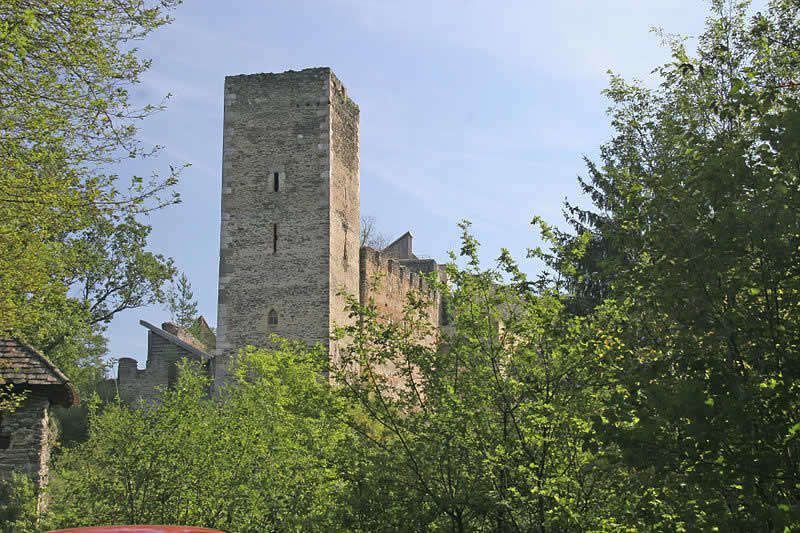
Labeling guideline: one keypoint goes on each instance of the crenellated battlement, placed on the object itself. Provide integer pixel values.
(166, 346)
(387, 280)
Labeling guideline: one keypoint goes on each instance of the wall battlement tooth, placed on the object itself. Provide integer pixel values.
(416, 270)
(395, 273)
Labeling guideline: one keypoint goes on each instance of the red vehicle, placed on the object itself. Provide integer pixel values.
(138, 529)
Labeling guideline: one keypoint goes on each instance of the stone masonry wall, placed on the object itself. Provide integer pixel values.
(31, 435)
(395, 280)
(345, 205)
(284, 250)
(387, 282)
(183, 335)
(134, 384)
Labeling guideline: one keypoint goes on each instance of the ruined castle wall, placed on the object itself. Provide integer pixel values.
(387, 281)
(283, 250)
(423, 266)
(134, 384)
(185, 336)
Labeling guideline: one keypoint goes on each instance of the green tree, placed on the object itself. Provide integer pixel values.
(696, 225)
(17, 505)
(489, 429)
(114, 273)
(66, 118)
(255, 458)
(181, 303)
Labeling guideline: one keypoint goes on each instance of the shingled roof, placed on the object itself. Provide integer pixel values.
(24, 366)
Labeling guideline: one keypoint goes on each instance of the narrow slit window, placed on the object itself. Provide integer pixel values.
(272, 318)
(276, 177)
(274, 238)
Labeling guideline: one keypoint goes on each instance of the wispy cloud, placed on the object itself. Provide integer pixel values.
(579, 40)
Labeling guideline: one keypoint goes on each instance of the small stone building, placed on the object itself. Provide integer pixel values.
(27, 433)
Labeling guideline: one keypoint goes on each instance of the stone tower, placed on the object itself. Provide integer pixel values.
(290, 210)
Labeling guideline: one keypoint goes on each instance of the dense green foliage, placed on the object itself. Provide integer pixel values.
(697, 232)
(17, 505)
(489, 430)
(649, 381)
(71, 250)
(252, 459)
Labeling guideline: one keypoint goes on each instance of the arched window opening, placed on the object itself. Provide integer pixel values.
(276, 181)
(274, 238)
(272, 318)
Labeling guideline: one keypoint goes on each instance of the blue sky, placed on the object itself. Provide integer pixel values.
(470, 109)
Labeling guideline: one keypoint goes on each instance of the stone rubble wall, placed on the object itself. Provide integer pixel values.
(395, 279)
(31, 435)
(135, 384)
(345, 208)
(387, 281)
(185, 336)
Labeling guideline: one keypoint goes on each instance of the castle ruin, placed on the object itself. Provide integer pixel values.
(290, 226)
